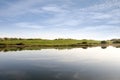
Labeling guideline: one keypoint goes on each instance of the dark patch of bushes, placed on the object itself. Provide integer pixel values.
(116, 42)
(84, 42)
(2, 44)
(103, 42)
(20, 43)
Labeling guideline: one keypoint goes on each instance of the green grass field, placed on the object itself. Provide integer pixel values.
(38, 44)
(43, 42)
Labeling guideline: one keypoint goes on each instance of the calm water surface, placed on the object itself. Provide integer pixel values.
(52, 64)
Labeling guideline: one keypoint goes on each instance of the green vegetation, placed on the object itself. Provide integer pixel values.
(104, 42)
(45, 42)
(16, 42)
(116, 41)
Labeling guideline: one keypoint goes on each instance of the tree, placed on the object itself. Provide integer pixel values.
(84, 42)
(103, 42)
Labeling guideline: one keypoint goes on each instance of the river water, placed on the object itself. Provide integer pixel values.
(66, 64)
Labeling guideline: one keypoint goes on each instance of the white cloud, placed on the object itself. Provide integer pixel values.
(52, 9)
(19, 8)
(93, 14)
(28, 25)
(67, 20)
(69, 23)
(107, 4)
(101, 16)
(114, 22)
(28, 6)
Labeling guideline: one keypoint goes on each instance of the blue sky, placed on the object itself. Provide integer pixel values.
(78, 19)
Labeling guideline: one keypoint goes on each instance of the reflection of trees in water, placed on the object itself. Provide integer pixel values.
(117, 46)
(6, 49)
(104, 44)
(85, 47)
(103, 47)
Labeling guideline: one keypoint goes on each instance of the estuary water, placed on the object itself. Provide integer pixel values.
(67, 64)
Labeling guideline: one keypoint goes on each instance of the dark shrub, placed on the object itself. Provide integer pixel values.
(20, 44)
(117, 41)
(84, 42)
(103, 42)
(6, 38)
(2, 44)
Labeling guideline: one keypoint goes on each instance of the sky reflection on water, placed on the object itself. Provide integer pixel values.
(51, 64)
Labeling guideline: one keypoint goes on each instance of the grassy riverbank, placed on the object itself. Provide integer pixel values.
(52, 43)
(46, 42)
(15, 44)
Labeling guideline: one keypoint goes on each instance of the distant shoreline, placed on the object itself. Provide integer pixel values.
(19, 42)
(21, 48)
(55, 42)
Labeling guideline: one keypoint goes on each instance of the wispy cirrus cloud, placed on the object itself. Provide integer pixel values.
(105, 5)
(70, 17)
(28, 25)
(52, 9)
(18, 8)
